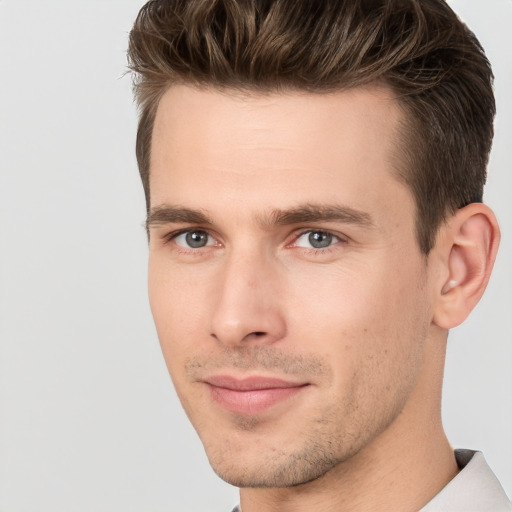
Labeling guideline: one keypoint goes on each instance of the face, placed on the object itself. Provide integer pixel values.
(285, 280)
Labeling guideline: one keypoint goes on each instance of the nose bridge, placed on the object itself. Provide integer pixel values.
(248, 308)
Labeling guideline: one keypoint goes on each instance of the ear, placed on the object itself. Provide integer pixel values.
(466, 248)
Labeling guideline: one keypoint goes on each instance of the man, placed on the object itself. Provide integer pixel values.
(313, 176)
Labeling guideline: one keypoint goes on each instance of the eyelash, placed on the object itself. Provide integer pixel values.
(337, 239)
(170, 237)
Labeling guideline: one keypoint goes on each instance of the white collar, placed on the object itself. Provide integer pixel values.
(474, 489)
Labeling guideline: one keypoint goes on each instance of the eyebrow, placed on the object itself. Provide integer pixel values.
(319, 213)
(167, 214)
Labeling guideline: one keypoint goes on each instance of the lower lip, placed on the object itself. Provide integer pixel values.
(252, 401)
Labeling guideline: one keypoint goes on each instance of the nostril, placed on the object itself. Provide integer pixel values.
(259, 333)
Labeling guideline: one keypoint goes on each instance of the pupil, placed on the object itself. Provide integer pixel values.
(319, 240)
(196, 239)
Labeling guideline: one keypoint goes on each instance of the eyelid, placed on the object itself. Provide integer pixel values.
(168, 237)
(171, 236)
(340, 237)
(181, 240)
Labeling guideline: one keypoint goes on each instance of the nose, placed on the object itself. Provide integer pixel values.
(248, 307)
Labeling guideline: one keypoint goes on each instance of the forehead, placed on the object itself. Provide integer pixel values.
(257, 150)
(274, 118)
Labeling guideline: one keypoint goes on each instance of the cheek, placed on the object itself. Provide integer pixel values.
(365, 321)
(175, 304)
(372, 338)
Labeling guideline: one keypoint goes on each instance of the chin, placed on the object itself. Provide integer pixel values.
(271, 468)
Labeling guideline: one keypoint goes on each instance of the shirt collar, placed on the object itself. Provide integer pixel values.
(474, 489)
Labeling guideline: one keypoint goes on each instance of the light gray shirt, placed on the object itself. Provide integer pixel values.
(474, 489)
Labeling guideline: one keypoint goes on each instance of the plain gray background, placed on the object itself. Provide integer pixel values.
(88, 418)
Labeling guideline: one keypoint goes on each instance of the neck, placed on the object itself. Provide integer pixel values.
(401, 469)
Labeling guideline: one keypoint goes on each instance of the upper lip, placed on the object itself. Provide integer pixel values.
(252, 383)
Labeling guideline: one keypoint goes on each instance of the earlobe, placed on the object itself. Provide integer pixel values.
(470, 242)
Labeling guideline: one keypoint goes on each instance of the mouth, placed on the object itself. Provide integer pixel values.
(251, 395)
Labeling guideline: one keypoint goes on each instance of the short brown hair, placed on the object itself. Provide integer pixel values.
(419, 48)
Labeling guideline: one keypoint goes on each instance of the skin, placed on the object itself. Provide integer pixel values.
(361, 322)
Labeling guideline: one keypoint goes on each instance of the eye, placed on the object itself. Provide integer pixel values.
(193, 239)
(316, 240)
